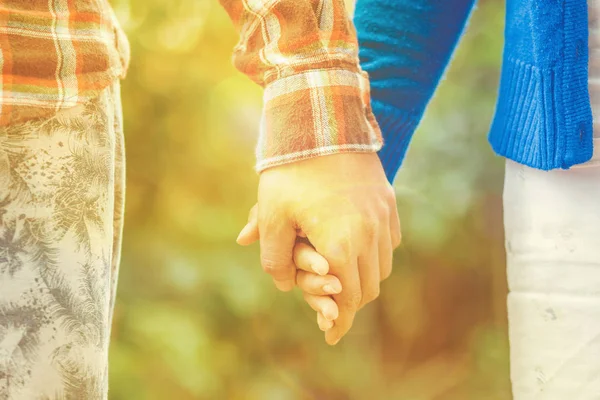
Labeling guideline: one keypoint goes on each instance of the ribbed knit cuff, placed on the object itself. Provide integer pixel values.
(397, 127)
(526, 128)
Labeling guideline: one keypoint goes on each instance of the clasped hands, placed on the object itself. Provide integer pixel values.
(329, 225)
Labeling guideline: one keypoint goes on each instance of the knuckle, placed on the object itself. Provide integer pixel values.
(268, 264)
(345, 244)
(384, 212)
(274, 267)
(353, 301)
(340, 252)
(339, 264)
(390, 194)
(370, 226)
(371, 294)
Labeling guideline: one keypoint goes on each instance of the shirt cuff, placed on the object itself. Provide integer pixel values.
(315, 113)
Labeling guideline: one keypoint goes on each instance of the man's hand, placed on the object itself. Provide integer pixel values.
(347, 209)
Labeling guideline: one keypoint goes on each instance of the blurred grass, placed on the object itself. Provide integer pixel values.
(197, 319)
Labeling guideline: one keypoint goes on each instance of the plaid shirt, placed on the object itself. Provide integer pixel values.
(305, 54)
(55, 54)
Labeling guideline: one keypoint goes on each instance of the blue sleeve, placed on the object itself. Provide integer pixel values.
(405, 46)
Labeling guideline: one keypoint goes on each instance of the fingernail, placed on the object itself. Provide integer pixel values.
(320, 269)
(325, 326)
(329, 315)
(332, 288)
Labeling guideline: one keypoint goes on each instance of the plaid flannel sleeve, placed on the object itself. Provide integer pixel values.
(316, 99)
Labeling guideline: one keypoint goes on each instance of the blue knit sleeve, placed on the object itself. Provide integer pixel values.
(405, 46)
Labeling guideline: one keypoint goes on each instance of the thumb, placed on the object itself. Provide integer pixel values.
(249, 233)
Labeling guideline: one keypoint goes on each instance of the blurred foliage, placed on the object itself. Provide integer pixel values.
(197, 319)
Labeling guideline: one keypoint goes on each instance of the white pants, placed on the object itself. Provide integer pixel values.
(552, 222)
(62, 186)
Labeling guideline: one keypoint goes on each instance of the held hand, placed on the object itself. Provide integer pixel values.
(316, 286)
(311, 276)
(347, 209)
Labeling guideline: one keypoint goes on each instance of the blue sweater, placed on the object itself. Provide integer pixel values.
(543, 116)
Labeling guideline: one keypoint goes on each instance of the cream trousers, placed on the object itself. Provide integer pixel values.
(61, 209)
(552, 222)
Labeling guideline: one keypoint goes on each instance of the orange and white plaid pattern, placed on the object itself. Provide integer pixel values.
(55, 54)
(305, 54)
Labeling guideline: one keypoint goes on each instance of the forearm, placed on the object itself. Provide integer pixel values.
(305, 54)
(405, 46)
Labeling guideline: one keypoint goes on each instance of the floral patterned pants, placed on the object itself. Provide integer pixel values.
(61, 217)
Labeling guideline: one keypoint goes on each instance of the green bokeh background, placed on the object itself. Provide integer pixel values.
(196, 317)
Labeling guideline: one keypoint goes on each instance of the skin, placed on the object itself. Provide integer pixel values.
(311, 276)
(346, 209)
